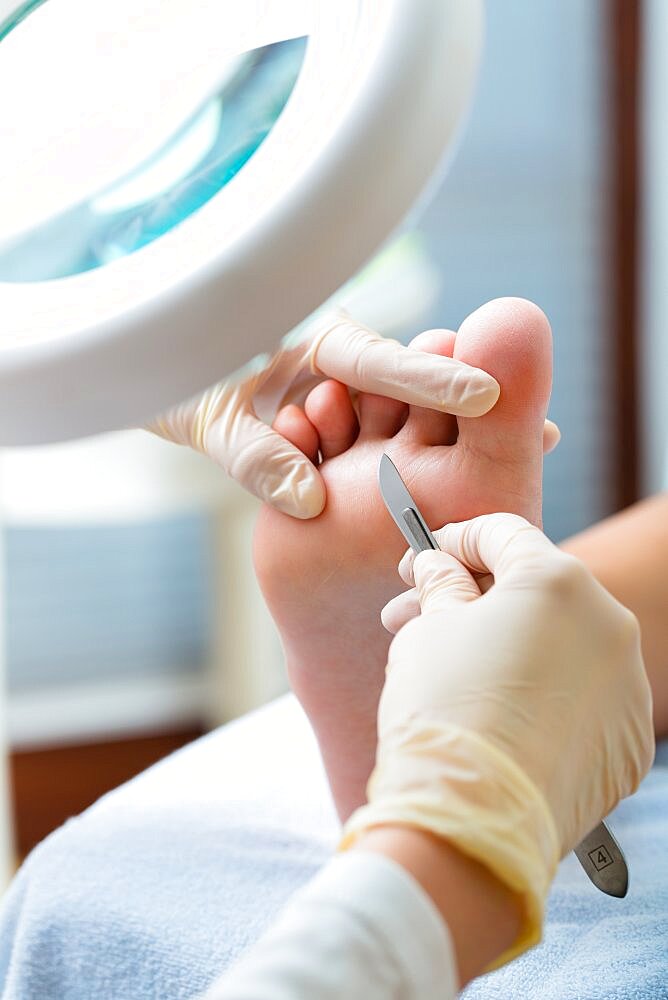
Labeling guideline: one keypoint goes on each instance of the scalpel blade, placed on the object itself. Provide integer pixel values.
(599, 853)
(601, 857)
(402, 507)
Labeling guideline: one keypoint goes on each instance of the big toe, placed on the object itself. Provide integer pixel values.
(511, 339)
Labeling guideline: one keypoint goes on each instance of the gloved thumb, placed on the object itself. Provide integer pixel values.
(442, 581)
(269, 466)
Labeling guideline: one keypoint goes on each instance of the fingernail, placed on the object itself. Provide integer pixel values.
(405, 567)
(385, 619)
(481, 395)
(301, 495)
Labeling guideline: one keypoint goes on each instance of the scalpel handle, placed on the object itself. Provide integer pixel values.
(417, 532)
(602, 859)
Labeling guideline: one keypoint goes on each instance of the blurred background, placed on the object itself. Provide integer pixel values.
(132, 619)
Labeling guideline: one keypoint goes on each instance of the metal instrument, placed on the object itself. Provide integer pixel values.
(599, 853)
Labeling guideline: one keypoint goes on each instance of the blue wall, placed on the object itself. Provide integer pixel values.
(522, 212)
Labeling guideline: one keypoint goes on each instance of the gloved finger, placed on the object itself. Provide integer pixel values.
(427, 426)
(442, 581)
(362, 359)
(551, 436)
(267, 465)
(482, 538)
(400, 610)
(496, 543)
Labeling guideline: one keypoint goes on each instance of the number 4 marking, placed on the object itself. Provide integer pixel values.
(600, 857)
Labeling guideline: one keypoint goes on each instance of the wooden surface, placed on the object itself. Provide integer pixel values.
(50, 785)
(625, 24)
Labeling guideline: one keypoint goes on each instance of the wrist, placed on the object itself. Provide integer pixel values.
(483, 915)
(465, 791)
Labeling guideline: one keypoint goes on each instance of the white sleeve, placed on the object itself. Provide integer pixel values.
(363, 929)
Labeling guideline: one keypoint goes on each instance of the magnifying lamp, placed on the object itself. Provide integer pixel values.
(182, 182)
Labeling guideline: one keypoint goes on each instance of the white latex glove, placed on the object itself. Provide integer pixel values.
(230, 421)
(510, 723)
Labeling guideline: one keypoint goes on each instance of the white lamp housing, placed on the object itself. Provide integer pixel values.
(98, 93)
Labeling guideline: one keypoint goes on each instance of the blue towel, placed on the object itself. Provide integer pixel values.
(157, 888)
(596, 947)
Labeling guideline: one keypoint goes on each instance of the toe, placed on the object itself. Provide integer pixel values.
(293, 424)
(551, 436)
(330, 410)
(424, 426)
(380, 417)
(511, 339)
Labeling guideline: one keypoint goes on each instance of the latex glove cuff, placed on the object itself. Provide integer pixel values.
(455, 784)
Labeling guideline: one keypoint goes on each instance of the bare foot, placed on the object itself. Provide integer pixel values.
(327, 579)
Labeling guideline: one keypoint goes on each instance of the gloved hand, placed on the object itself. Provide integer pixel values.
(230, 421)
(510, 723)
